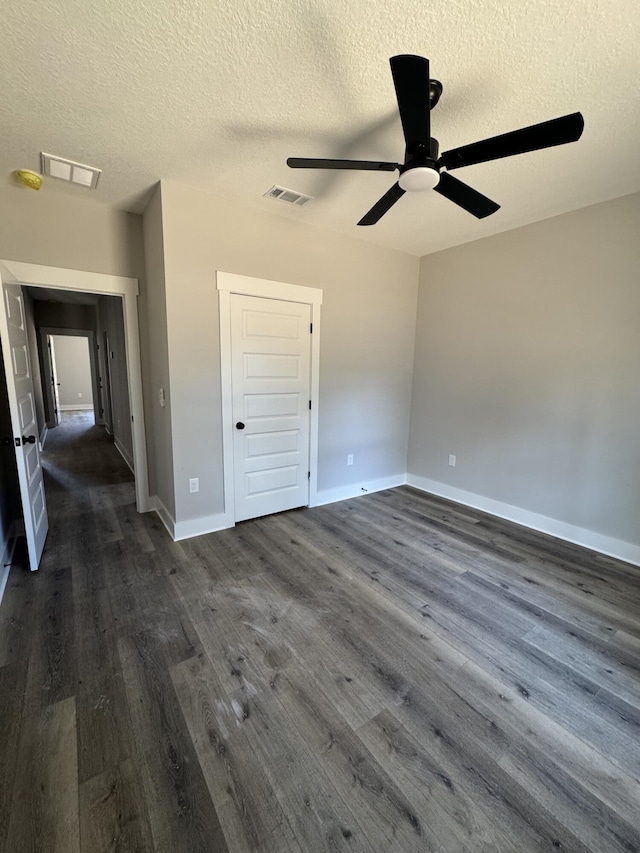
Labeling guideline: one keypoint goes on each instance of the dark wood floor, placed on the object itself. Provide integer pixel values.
(393, 673)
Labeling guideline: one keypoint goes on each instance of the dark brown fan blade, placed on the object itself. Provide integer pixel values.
(411, 79)
(382, 205)
(558, 131)
(466, 197)
(365, 165)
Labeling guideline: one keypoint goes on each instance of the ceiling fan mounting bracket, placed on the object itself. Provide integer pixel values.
(435, 90)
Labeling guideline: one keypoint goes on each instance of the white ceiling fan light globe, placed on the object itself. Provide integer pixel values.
(418, 179)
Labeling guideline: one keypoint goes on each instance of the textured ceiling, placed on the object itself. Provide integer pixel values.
(217, 94)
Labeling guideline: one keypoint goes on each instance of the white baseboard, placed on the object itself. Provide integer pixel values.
(76, 407)
(164, 515)
(199, 526)
(192, 527)
(618, 548)
(344, 493)
(44, 432)
(123, 452)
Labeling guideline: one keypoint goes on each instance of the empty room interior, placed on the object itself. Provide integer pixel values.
(320, 405)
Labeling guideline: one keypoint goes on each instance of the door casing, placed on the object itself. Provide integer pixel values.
(36, 275)
(228, 283)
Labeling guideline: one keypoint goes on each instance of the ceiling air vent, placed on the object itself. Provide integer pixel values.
(68, 170)
(290, 196)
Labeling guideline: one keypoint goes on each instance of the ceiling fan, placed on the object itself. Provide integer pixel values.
(423, 169)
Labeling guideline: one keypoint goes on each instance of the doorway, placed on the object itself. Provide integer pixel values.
(18, 275)
(69, 371)
(270, 348)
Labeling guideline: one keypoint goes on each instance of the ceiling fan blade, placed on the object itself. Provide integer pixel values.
(411, 79)
(382, 205)
(466, 197)
(365, 165)
(558, 131)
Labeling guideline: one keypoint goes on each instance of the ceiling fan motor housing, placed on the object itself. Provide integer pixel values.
(420, 171)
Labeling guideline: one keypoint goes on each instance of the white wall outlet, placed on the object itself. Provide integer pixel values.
(350, 459)
(452, 460)
(194, 484)
(79, 393)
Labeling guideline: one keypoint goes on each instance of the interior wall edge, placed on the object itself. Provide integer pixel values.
(629, 552)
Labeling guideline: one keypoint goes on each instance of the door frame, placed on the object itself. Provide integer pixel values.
(102, 284)
(228, 283)
(45, 331)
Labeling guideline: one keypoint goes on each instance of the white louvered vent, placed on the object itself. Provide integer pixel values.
(68, 170)
(290, 196)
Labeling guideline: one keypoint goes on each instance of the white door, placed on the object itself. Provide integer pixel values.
(270, 378)
(15, 351)
(55, 385)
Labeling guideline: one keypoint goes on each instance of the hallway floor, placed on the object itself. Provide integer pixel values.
(389, 674)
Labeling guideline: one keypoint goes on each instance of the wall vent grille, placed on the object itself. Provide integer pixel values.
(288, 196)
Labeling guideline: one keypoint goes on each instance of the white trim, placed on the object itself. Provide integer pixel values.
(72, 407)
(248, 286)
(199, 526)
(193, 526)
(36, 275)
(124, 453)
(164, 515)
(228, 283)
(357, 490)
(43, 436)
(617, 548)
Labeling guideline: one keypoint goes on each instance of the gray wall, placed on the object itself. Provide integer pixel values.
(527, 368)
(153, 323)
(61, 315)
(67, 231)
(368, 321)
(74, 372)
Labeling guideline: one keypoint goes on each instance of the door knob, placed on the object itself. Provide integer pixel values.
(239, 425)
(28, 439)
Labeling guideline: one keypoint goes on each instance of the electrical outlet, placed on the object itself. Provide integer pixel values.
(452, 460)
(350, 459)
(194, 484)
(79, 393)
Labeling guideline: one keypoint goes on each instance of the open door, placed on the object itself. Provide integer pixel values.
(55, 385)
(15, 352)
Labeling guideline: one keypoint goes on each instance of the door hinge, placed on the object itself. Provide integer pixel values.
(308, 475)
(310, 328)
(309, 404)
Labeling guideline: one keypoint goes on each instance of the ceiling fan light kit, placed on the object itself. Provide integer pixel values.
(419, 178)
(417, 94)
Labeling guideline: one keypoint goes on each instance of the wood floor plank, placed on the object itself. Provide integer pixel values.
(618, 671)
(447, 783)
(12, 688)
(251, 816)
(52, 661)
(113, 813)
(44, 806)
(181, 814)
